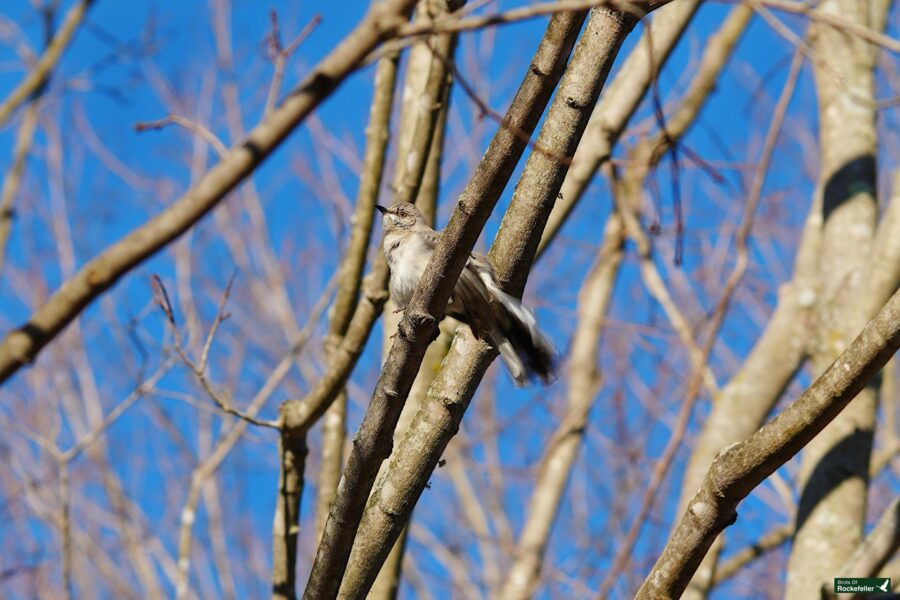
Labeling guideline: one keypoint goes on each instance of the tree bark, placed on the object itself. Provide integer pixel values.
(372, 443)
(834, 474)
(739, 468)
(286, 525)
(350, 275)
(424, 61)
(512, 253)
(21, 346)
(584, 383)
(874, 552)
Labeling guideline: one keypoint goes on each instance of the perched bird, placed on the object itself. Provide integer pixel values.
(477, 300)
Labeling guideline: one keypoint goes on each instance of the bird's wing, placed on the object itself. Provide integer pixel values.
(473, 302)
(429, 237)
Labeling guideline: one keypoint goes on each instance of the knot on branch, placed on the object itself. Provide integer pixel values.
(418, 321)
(732, 518)
(292, 416)
(388, 24)
(98, 276)
(719, 471)
(537, 71)
(574, 103)
(445, 401)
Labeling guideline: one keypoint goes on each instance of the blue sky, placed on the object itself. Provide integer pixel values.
(130, 55)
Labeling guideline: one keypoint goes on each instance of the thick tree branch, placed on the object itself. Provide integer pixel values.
(512, 253)
(350, 275)
(617, 105)
(738, 469)
(432, 56)
(419, 325)
(834, 472)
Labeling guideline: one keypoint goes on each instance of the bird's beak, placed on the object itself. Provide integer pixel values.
(381, 209)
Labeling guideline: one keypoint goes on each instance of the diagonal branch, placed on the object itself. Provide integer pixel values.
(40, 71)
(876, 550)
(616, 107)
(512, 253)
(419, 325)
(21, 346)
(738, 469)
(737, 561)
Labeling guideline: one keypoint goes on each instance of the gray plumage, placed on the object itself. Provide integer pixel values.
(477, 299)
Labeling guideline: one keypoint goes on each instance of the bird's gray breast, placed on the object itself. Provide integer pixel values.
(407, 256)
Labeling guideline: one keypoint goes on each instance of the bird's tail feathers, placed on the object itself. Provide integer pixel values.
(526, 352)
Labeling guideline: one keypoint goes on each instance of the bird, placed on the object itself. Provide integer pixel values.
(477, 300)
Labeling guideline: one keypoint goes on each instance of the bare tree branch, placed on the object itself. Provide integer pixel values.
(40, 71)
(876, 550)
(662, 464)
(419, 325)
(13, 179)
(835, 467)
(22, 345)
(286, 525)
(737, 561)
(738, 469)
(350, 274)
(196, 128)
(433, 56)
(390, 506)
(562, 450)
(617, 105)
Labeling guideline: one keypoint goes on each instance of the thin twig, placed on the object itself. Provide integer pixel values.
(832, 20)
(191, 126)
(737, 561)
(199, 370)
(280, 54)
(221, 315)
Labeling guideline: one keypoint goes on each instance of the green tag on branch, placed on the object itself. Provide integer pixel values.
(864, 585)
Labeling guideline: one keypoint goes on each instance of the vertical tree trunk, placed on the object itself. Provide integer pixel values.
(835, 469)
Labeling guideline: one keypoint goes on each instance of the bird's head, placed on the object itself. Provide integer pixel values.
(402, 215)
